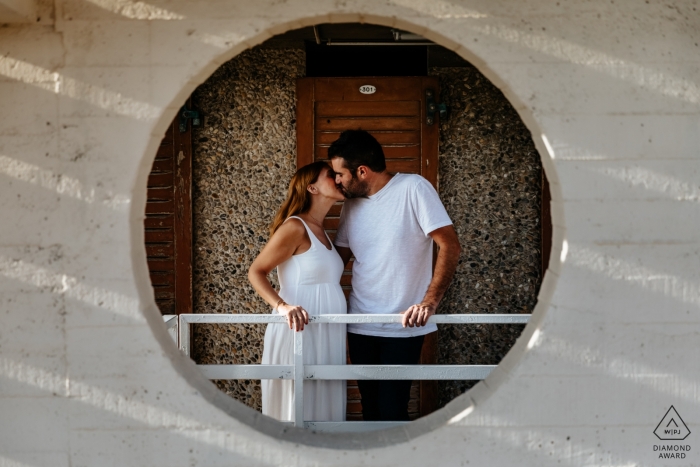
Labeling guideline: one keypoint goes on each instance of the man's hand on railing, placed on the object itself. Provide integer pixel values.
(297, 317)
(417, 315)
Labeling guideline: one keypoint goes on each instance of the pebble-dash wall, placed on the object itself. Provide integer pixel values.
(489, 181)
(245, 155)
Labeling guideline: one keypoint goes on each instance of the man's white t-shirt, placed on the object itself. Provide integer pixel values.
(388, 235)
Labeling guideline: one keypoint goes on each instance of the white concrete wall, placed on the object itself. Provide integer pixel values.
(88, 375)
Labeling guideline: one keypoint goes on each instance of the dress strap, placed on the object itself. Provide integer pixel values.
(311, 235)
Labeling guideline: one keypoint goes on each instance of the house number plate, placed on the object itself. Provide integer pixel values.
(367, 89)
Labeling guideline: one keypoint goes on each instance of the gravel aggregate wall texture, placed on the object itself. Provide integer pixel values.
(489, 182)
(244, 156)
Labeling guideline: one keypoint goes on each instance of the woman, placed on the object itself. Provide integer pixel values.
(309, 270)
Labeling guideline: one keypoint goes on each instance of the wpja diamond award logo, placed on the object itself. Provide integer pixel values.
(672, 428)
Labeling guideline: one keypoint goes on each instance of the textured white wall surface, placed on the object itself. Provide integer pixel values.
(88, 374)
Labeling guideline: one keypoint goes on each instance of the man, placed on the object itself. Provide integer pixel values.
(389, 222)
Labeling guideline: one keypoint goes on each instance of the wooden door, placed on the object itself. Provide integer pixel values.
(396, 115)
(168, 223)
(545, 224)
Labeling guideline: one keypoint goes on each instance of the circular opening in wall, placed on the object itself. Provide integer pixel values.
(221, 174)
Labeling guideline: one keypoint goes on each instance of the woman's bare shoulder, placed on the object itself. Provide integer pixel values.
(292, 229)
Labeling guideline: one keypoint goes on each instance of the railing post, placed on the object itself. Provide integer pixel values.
(184, 332)
(298, 378)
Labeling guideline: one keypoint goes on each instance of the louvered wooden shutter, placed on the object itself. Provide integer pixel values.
(395, 114)
(168, 223)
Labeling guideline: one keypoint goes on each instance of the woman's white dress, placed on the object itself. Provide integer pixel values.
(312, 281)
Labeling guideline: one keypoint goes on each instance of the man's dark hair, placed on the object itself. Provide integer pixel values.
(356, 148)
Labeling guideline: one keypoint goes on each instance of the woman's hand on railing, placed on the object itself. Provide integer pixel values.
(297, 317)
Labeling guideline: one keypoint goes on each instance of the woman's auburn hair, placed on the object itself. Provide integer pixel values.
(298, 197)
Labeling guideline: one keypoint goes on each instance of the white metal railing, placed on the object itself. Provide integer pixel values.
(171, 324)
(299, 372)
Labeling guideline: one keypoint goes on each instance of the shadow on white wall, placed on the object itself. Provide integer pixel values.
(137, 10)
(71, 287)
(654, 181)
(57, 83)
(643, 76)
(659, 282)
(61, 184)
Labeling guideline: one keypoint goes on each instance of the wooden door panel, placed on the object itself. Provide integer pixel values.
(390, 152)
(335, 210)
(412, 166)
(154, 250)
(160, 206)
(368, 123)
(402, 152)
(388, 89)
(355, 406)
(160, 180)
(164, 294)
(353, 392)
(162, 165)
(159, 193)
(158, 236)
(165, 150)
(368, 109)
(168, 222)
(160, 265)
(545, 223)
(162, 279)
(331, 223)
(158, 222)
(395, 115)
(384, 137)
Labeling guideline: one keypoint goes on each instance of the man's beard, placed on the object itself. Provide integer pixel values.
(355, 189)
